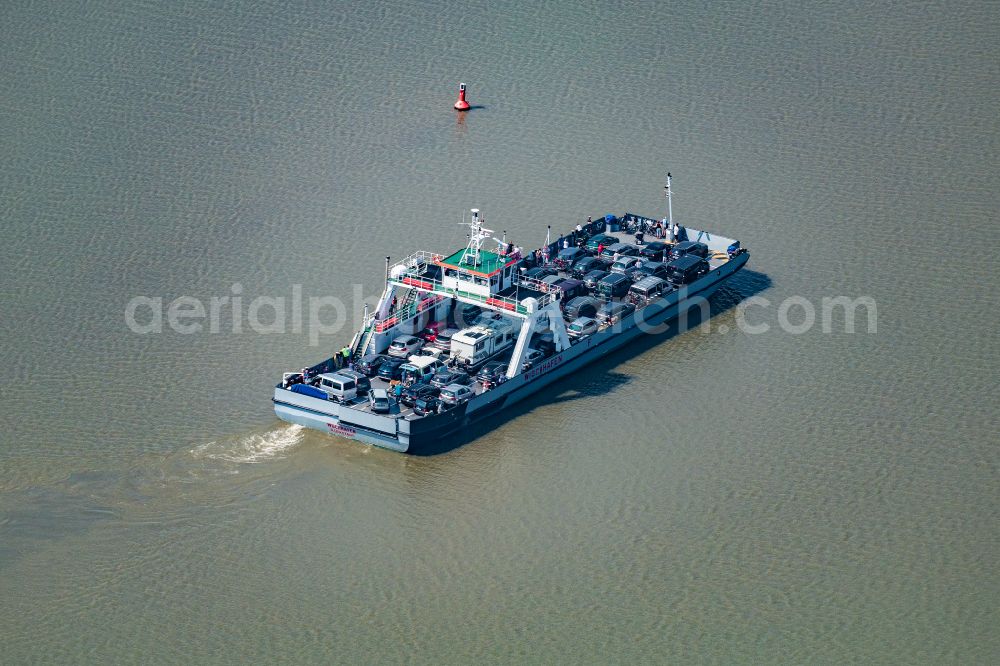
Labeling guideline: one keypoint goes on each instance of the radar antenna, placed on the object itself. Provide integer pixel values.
(477, 235)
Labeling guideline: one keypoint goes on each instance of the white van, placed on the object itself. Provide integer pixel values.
(338, 387)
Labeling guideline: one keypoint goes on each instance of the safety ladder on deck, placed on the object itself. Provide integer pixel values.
(405, 309)
(366, 337)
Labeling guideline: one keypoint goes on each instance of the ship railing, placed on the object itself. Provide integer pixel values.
(416, 262)
(409, 311)
(494, 301)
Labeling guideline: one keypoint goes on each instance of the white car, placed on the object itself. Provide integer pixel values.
(456, 394)
(405, 345)
(443, 339)
(531, 357)
(378, 399)
(581, 327)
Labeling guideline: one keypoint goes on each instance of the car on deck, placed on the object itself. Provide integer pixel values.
(359, 378)
(405, 345)
(531, 357)
(369, 364)
(647, 269)
(456, 394)
(411, 394)
(601, 239)
(391, 368)
(442, 340)
(581, 306)
(586, 265)
(615, 310)
(654, 251)
(689, 247)
(591, 279)
(491, 372)
(378, 400)
(426, 405)
(449, 377)
(581, 327)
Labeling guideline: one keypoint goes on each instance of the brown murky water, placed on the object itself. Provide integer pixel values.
(821, 497)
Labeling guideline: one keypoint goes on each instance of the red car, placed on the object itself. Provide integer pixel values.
(430, 333)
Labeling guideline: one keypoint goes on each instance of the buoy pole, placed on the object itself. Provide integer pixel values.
(461, 104)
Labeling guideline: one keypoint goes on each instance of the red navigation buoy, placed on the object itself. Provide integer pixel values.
(461, 104)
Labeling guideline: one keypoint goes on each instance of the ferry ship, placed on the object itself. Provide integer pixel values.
(460, 337)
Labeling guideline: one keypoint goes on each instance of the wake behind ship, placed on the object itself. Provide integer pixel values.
(459, 337)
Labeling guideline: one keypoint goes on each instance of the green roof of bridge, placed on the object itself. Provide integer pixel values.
(489, 262)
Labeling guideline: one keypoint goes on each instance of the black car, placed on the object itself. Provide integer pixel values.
(415, 392)
(601, 239)
(442, 379)
(591, 279)
(585, 265)
(689, 247)
(613, 285)
(654, 251)
(369, 364)
(491, 372)
(390, 368)
(569, 256)
(582, 306)
(539, 273)
(648, 269)
(687, 269)
(426, 405)
(615, 310)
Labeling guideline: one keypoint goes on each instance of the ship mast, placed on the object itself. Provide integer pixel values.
(670, 209)
(477, 234)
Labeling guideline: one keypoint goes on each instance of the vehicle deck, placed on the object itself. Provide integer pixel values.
(399, 410)
(716, 258)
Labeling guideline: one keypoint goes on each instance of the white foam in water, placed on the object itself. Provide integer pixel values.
(252, 448)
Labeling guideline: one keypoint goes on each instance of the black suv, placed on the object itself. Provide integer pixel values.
(413, 393)
(687, 269)
(647, 269)
(654, 251)
(426, 405)
(689, 247)
(448, 377)
(369, 365)
(491, 371)
(591, 279)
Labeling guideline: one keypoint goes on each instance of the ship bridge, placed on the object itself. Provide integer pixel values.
(493, 283)
(472, 275)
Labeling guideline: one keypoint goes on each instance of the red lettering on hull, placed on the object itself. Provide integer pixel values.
(543, 367)
(343, 431)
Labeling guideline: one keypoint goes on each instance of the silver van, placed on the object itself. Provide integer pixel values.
(338, 387)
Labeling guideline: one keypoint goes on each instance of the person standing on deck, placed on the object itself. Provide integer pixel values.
(600, 249)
